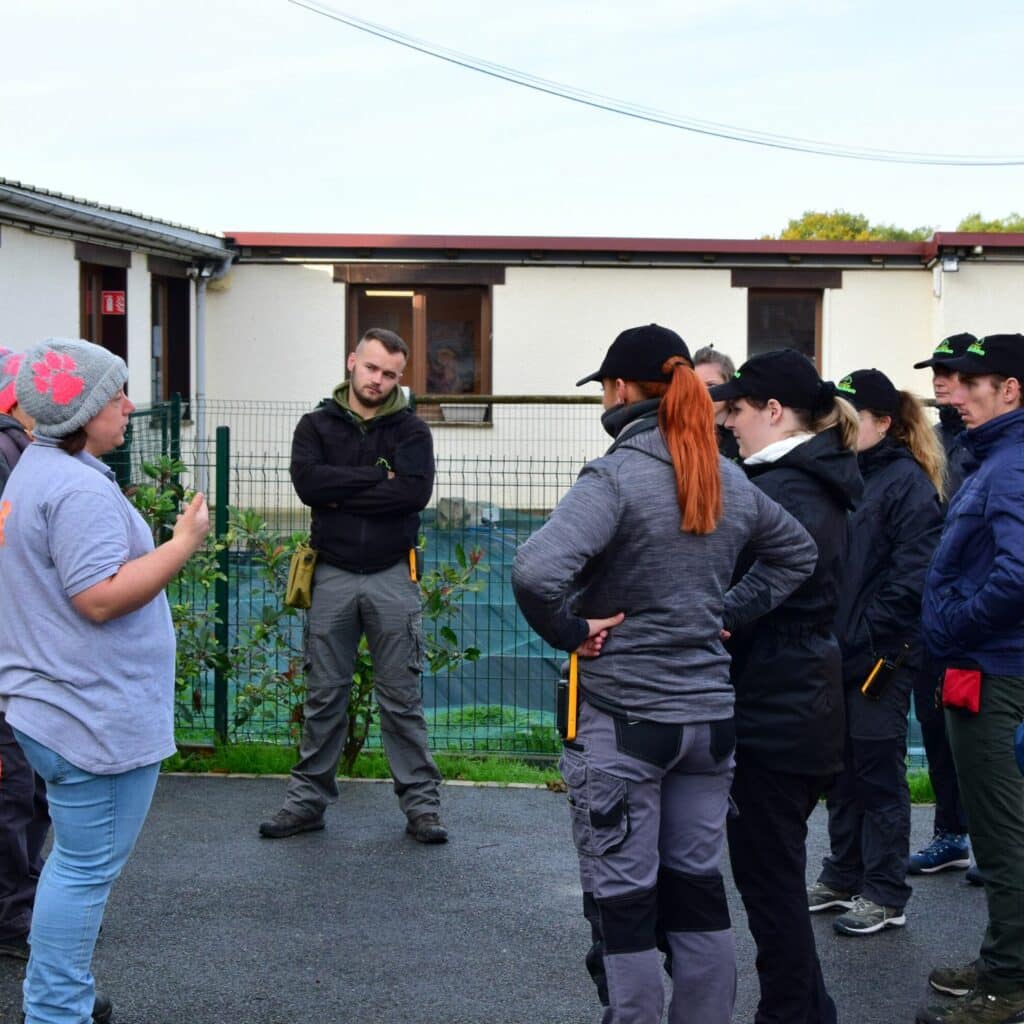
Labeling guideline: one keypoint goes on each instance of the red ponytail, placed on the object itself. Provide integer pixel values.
(687, 420)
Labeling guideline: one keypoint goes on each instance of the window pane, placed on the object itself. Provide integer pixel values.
(453, 341)
(779, 319)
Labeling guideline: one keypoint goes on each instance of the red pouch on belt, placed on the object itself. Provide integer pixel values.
(961, 688)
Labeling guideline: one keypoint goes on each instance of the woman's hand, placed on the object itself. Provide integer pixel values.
(192, 526)
(591, 647)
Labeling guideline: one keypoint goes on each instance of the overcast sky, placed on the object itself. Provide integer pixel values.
(264, 116)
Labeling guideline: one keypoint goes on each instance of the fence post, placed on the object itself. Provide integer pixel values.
(175, 426)
(220, 589)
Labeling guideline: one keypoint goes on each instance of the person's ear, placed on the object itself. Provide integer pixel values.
(774, 408)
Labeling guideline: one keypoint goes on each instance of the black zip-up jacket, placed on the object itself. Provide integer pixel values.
(362, 521)
(950, 429)
(787, 667)
(893, 534)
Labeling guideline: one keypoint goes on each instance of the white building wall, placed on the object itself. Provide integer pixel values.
(552, 325)
(883, 319)
(275, 333)
(38, 288)
(983, 298)
(140, 319)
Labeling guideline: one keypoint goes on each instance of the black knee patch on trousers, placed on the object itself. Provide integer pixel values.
(595, 955)
(628, 922)
(691, 903)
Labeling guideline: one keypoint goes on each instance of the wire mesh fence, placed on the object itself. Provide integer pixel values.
(501, 465)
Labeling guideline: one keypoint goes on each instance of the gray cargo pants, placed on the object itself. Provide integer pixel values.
(386, 607)
(648, 803)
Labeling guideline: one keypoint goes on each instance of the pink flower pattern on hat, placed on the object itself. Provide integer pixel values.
(54, 375)
(10, 363)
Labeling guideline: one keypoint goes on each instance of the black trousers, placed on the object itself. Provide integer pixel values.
(24, 823)
(767, 848)
(949, 811)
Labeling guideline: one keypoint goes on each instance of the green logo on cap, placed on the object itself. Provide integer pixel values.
(846, 386)
(977, 348)
(944, 348)
(736, 375)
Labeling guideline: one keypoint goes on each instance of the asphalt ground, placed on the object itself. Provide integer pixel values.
(211, 924)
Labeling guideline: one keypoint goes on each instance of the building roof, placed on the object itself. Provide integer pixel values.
(274, 246)
(39, 209)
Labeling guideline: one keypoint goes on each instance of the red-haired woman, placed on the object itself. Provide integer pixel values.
(632, 572)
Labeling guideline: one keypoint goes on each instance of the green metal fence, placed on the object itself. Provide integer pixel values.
(502, 464)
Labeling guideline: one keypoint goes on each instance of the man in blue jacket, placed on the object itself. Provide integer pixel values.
(973, 622)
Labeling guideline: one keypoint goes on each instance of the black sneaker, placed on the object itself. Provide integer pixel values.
(954, 981)
(102, 1009)
(286, 823)
(16, 947)
(978, 1008)
(427, 828)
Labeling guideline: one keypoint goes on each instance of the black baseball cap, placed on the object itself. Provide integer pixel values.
(870, 389)
(639, 354)
(949, 348)
(1001, 354)
(786, 375)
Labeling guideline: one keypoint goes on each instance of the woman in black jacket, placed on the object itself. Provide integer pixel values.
(798, 442)
(893, 534)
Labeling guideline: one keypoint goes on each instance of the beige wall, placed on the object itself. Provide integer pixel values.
(275, 333)
(38, 288)
(883, 319)
(552, 325)
(983, 298)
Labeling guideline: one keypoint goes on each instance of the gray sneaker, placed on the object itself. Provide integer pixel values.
(287, 823)
(866, 916)
(821, 897)
(954, 981)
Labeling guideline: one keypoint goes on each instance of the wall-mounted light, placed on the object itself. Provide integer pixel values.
(374, 294)
(950, 264)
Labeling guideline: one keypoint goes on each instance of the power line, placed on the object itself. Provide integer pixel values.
(612, 105)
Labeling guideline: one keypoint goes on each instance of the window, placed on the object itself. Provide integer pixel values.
(170, 369)
(784, 308)
(443, 313)
(784, 319)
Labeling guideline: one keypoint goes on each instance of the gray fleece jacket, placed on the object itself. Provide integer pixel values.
(613, 544)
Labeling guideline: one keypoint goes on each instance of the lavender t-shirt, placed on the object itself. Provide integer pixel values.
(100, 695)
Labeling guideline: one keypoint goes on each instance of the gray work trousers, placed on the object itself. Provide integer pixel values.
(386, 606)
(648, 802)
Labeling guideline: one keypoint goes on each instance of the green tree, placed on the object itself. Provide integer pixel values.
(842, 226)
(975, 222)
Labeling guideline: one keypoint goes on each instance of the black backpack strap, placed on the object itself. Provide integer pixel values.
(12, 443)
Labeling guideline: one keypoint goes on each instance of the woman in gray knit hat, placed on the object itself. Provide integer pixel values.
(86, 654)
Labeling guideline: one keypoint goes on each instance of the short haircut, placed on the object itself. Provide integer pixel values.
(709, 354)
(391, 341)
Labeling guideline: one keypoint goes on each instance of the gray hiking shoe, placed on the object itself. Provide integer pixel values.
(866, 916)
(821, 897)
(286, 823)
(954, 981)
(427, 828)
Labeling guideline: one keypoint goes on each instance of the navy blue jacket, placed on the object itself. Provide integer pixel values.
(974, 597)
(893, 534)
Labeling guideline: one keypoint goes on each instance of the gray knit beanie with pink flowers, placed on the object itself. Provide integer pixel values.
(64, 382)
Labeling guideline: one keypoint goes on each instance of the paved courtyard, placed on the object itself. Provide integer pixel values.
(211, 924)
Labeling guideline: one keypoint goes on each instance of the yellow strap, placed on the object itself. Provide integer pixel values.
(412, 565)
(574, 685)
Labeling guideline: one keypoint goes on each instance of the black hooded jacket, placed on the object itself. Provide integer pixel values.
(950, 430)
(893, 535)
(786, 667)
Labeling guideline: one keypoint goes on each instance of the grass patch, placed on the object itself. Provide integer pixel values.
(921, 791)
(268, 759)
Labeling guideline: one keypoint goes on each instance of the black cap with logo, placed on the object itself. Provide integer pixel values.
(949, 348)
(786, 375)
(1001, 354)
(639, 354)
(870, 389)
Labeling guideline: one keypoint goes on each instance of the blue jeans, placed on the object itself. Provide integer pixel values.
(96, 820)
